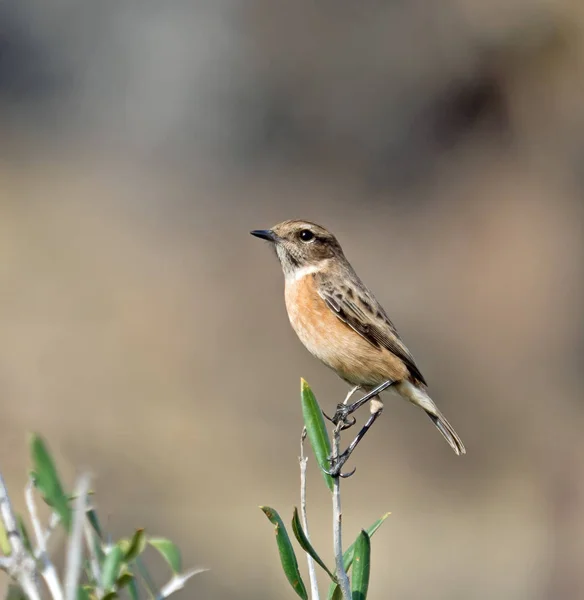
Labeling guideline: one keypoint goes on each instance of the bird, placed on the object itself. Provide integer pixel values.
(340, 322)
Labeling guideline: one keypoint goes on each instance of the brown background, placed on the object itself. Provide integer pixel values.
(143, 331)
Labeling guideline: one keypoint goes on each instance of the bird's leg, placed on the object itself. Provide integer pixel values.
(337, 462)
(344, 410)
(351, 394)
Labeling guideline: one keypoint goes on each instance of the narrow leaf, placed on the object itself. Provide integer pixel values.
(94, 521)
(337, 594)
(133, 589)
(316, 430)
(169, 552)
(136, 546)
(361, 567)
(83, 592)
(146, 577)
(111, 567)
(349, 553)
(110, 596)
(24, 534)
(287, 555)
(124, 579)
(47, 480)
(305, 543)
(15, 592)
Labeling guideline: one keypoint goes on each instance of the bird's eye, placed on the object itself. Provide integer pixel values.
(306, 235)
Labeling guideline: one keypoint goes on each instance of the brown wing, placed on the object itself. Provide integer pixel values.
(356, 306)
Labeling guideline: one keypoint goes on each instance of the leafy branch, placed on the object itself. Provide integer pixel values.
(358, 555)
(95, 568)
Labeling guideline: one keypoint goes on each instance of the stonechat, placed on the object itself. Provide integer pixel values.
(341, 323)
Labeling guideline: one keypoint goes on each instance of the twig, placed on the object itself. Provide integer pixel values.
(54, 520)
(74, 548)
(146, 578)
(341, 574)
(311, 567)
(9, 520)
(177, 583)
(49, 572)
(19, 565)
(93, 559)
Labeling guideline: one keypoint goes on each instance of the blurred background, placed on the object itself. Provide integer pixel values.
(143, 331)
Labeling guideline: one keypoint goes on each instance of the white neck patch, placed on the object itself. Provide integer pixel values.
(301, 272)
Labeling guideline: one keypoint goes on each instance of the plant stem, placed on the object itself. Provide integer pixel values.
(341, 574)
(178, 583)
(19, 565)
(49, 572)
(74, 558)
(303, 516)
(93, 559)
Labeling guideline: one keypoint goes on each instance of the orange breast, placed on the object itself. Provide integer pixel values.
(335, 343)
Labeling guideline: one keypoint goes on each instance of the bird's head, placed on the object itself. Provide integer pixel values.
(301, 246)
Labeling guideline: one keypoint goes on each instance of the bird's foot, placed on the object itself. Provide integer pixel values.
(341, 417)
(337, 463)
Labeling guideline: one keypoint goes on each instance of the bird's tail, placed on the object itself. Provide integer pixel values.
(420, 398)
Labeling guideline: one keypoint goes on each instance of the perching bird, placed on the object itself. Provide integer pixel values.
(341, 323)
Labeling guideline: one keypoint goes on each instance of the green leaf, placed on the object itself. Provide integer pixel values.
(133, 589)
(15, 592)
(349, 552)
(47, 480)
(337, 594)
(110, 596)
(169, 551)
(146, 577)
(361, 567)
(111, 567)
(349, 555)
(287, 555)
(84, 592)
(136, 546)
(94, 521)
(24, 534)
(96, 539)
(4, 543)
(124, 579)
(305, 543)
(316, 430)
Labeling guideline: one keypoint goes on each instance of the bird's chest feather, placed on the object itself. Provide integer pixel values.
(335, 343)
(323, 334)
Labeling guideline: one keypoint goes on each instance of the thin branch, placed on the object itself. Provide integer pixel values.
(178, 583)
(93, 559)
(54, 520)
(341, 574)
(9, 520)
(19, 565)
(29, 587)
(49, 572)
(311, 567)
(146, 578)
(74, 548)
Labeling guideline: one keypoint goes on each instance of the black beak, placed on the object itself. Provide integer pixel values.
(264, 234)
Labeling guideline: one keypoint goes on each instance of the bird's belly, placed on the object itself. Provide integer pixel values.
(333, 342)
